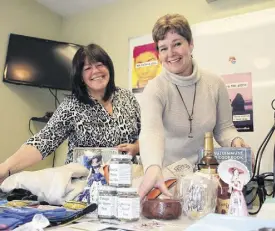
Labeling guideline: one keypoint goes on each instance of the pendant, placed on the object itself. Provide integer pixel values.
(190, 135)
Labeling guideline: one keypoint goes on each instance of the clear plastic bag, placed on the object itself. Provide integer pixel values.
(198, 194)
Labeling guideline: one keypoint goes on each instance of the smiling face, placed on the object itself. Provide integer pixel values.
(96, 77)
(146, 66)
(175, 54)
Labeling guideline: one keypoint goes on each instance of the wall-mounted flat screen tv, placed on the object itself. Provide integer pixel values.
(39, 62)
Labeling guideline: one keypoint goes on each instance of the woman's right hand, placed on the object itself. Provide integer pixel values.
(153, 178)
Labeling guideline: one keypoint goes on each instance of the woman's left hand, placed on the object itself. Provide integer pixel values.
(239, 143)
(130, 149)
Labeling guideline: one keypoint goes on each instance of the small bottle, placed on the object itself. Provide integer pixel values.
(120, 171)
(107, 202)
(223, 198)
(208, 164)
(128, 204)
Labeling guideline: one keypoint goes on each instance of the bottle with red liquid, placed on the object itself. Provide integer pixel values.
(209, 165)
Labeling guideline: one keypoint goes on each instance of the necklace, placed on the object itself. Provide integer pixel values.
(190, 116)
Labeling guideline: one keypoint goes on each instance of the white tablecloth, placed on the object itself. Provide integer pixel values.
(143, 225)
(85, 224)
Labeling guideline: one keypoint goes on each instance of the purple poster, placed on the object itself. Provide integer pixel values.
(239, 86)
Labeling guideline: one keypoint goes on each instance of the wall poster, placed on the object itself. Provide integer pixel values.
(239, 88)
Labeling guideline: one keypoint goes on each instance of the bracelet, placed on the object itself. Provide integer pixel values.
(235, 139)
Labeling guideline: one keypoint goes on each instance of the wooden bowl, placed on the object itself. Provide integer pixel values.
(166, 209)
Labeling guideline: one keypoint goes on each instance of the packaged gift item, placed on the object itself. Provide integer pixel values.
(107, 202)
(128, 204)
(197, 194)
(95, 179)
(120, 171)
(105, 152)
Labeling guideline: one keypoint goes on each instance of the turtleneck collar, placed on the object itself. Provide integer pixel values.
(183, 81)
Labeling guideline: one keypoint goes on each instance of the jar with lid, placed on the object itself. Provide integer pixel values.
(120, 171)
(107, 202)
(128, 204)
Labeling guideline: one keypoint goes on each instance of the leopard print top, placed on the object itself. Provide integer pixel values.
(90, 126)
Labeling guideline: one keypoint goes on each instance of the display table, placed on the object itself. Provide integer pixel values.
(143, 224)
(268, 209)
(265, 218)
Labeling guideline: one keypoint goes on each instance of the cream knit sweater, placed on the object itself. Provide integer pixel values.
(164, 121)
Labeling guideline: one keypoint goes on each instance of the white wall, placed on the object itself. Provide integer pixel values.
(19, 103)
(112, 25)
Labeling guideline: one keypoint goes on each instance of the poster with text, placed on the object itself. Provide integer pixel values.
(239, 88)
(145, 65)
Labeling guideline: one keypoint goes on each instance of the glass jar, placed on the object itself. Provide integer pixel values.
(120, 171)
(128, 204)
(107, 202)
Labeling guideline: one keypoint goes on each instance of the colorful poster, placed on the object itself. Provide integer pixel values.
(146, 66)
(239, 87)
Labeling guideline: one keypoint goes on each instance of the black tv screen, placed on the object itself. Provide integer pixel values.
(39, 62)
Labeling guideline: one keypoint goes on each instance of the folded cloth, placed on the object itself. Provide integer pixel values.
(73, 215)
(20, 194)
(20, 211)
(55, 217)
(53, 185)
(12, 217)
(9, 223)
(57, 214)
(23, 214)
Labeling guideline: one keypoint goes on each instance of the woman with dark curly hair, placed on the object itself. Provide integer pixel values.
(97, 114)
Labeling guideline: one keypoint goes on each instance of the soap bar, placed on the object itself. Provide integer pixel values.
(166, 209)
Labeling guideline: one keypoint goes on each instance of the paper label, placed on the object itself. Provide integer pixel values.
(120, 174)
(128, 208)
(208, 170)
(107, 206)
(222, 206)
